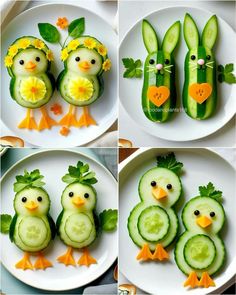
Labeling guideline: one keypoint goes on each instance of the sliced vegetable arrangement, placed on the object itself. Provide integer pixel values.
(153, 223)
(200, 252)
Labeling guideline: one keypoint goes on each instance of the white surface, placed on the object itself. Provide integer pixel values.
(226, 135)
(105, 248)
(103, 31)
(195, 163)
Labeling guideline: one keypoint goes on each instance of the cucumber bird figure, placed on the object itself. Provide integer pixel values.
(81, 83)
(28, 63)
(200, 252)
(32, 228)
(153, 224)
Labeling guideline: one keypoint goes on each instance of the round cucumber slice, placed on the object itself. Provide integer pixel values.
(199, 252)
(153, 223)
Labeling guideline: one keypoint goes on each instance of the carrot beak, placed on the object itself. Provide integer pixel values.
(159, 193)
(203, 221)
(30, 66)
(78, 201)
(31, 206)
(84, 66)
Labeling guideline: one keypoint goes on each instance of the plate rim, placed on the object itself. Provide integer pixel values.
(73, 152)
(122, 41)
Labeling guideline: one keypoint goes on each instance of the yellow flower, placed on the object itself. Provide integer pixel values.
(8, 61)
(90, 43)
(32, 89)
(38, 44)
(73, 44)
(49, 55)
(64, 54)
(12, 50)
(23, 43)
(80, 89)
(106, 66)
(102, 50)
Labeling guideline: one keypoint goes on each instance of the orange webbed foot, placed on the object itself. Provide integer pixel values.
(206, 281)
(86, 259)
(67, 258)
(86, 119)
(192, 280)
(42, 262)
(46, 121)
(25, 262)
(145, 253)
(160, 253)
(28, 122)
(70, 118)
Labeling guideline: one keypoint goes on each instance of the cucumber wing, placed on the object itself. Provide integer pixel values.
(58, 222)
(52, 226)
(12, 228)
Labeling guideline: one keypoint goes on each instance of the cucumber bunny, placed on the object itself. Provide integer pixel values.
(199, 92)
(159, 93)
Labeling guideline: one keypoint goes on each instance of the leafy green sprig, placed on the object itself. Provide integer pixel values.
(169, 162)
(226, 74)
(209, 191)
(33, 178)
(132, 68)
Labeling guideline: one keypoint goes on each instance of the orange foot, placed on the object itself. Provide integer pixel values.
(70, 118)
(86, 119)
(206, 281)
(67, 258)
(46, 122)
(25, 263)
(41, 262)
(28, 122)
(86, 259)
(192, 280)
(160, 253)
(145, 253)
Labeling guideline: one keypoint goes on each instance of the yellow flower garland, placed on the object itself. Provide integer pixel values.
(39, 44)
(8, 61)
(73, 45)
(64, 54)
(90, 43)
(106, 66)
(12, 50)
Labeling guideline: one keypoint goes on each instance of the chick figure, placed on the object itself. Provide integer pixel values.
(32, 85)
(153, 224)
(32, 228)
(200, 252)
(81, 83)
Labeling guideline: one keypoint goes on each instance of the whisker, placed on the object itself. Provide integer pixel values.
(190, 62)
(153, 67)
(209, 66)
(168, 66)
(194, 68)
(151, 70)
(210, 62)
(167, 71)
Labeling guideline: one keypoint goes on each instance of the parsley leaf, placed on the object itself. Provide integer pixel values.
(209, 191)
(5, 223)
(108, 219)
(169, 162)
(133, 68)
(226, 74)
(34, 178)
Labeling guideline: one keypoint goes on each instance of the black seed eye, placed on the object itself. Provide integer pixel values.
(169, 186)
(86, 195)
(208, 57)
(193, 57)
(77, 58)
(24, 199)
(21, 62)
(37, 58)
(153, 183)
(93, 61)
(40, 199)
(71, 194)
(212, 214)
(167, 61)
(151, 61)
(196, 212)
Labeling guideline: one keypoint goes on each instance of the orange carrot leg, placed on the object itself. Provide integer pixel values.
(160, 253)
(24, 263)
(28, 122)
(70, 118)
(86, 258)
(145, 253)
(192, 280)
(46, 121)
(67, 258)
(42, 262)
(86, 119)
(206, 281)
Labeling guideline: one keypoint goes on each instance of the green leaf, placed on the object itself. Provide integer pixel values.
(132, 67)
(68, 179)
(169, 162)
(229, 68)
(128, 62)
(90, 181)
(108, 219)
(77, 27)
(5, 220)
(221, 68)
(34, 178)
(209, 191)
(129, 73)
(138, 73)
(230, 78)
(138, 63)
(221, 78)
(49, 33)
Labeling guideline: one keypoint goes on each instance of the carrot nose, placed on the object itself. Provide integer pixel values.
(30, 66)
(159, 193)
(31, 206)
(84, 65)
(203, 221)
(78, 201)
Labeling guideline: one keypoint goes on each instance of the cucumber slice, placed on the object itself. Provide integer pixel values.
(171, 38)
(210, 32)
(191, 34)
(149, 37)
(199, 252)
(78, 227)
(153, 223)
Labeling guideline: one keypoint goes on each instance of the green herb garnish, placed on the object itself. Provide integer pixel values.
(5, 220)
(33, 178)
(133, 68)
(209, 191)
(49, 32)
(169, 162)
(76, 27)
(226, 74)
(108, 219)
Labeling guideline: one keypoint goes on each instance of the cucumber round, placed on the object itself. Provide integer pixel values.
(149, 37)
(153, 223)
(199, 252)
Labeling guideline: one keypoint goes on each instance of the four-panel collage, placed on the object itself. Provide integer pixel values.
(118, 147)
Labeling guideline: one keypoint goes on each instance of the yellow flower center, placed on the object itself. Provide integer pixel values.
(32, 89)
(80, 89)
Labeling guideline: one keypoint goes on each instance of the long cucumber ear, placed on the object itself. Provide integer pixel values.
(171, 38)
(210, 32)
(191, 34)
(149, 37)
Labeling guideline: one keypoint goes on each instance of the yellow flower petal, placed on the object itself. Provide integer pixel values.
(80, 89)
(8, 61)
(32, 89)
(38, 44)
(50, 55)
(102, 50)
(64, 54)
(23, 43)
(73, 45)
(90, 43)
(106, 66)
(12, 50)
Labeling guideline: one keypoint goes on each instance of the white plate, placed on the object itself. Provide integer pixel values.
(53, 165)
(180, 127)
(200, 167)
(104, 110)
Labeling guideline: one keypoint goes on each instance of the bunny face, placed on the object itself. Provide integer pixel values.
(159, 63)
(200, 59)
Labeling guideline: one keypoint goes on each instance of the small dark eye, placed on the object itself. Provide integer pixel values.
(71, 194)
(86, 195)
(40, 199)
(153, 183)
(193, 57)
(37, 58)
(167, 61)
(21, 62)
(93, 61)
(169, 186)
(212, 214)
(77, 58)
(196, 212)
(24, 199)
(151, 61)
(208, 57)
